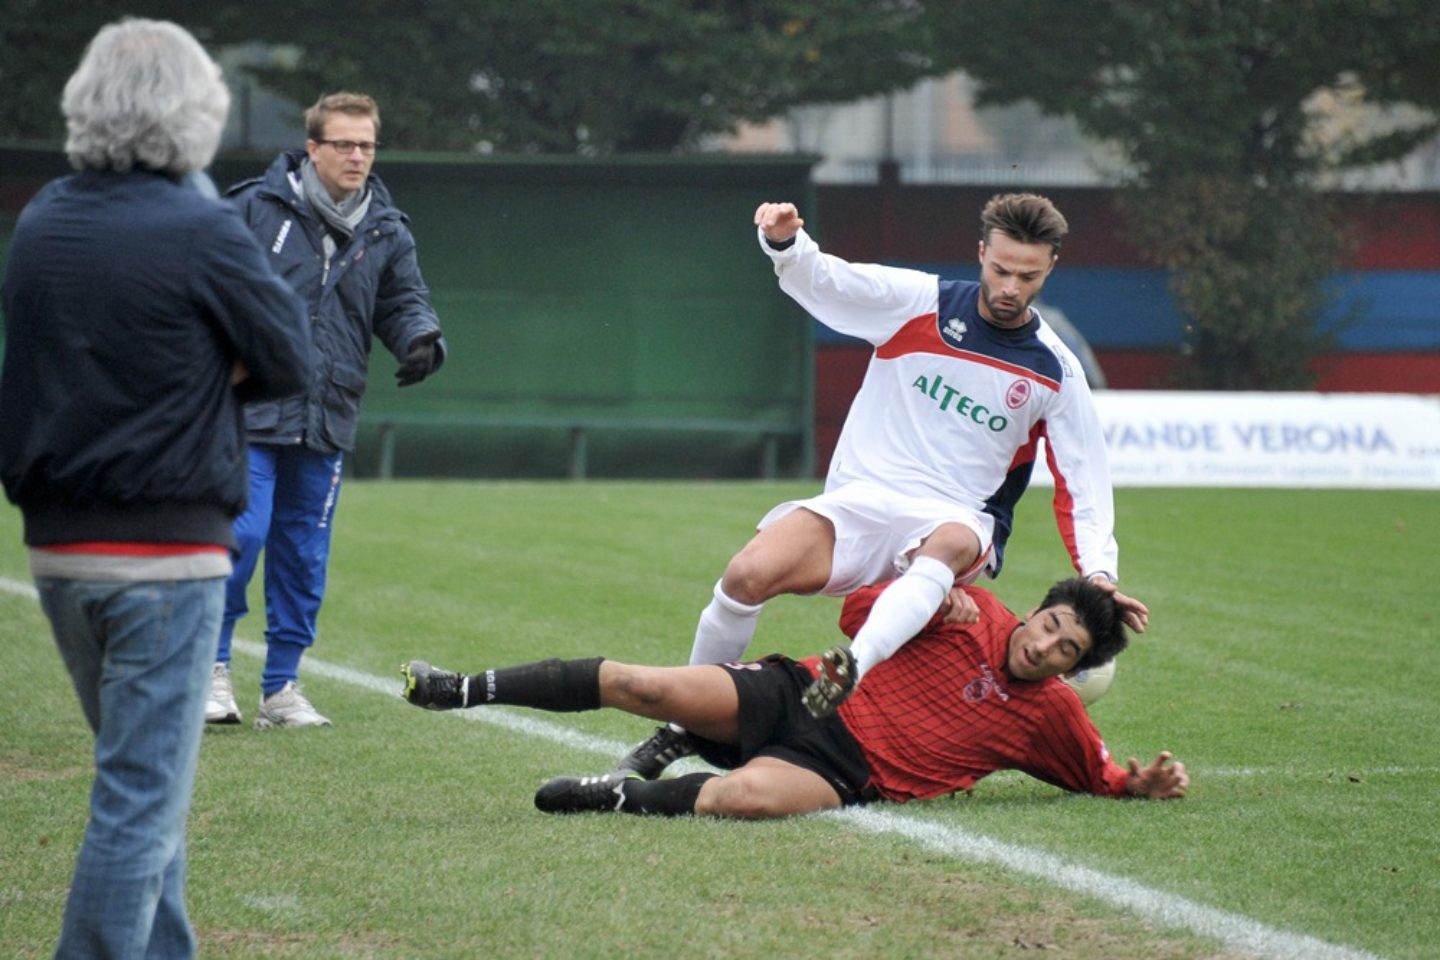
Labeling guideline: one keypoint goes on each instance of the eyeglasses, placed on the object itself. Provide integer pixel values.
(347, 147)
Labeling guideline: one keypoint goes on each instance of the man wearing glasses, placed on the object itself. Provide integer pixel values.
(331, 231)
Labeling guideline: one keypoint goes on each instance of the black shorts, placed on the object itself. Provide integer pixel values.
(775, 723)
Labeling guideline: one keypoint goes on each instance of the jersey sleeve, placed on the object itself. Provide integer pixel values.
(1070, 754)
(862, 300)
(1084, 501)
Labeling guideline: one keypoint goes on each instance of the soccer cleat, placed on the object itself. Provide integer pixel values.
(432, 688)
(582, 794)
(220, 707)
(834, 685)
(287, 707)
(663, 747)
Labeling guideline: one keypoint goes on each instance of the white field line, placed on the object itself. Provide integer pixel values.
(1288, 771)
(1163, 909)
(1233, 930)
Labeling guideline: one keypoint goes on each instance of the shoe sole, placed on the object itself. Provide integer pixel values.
(229, 718)
(262, 723)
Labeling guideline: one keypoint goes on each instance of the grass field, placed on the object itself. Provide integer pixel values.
(1292, 664)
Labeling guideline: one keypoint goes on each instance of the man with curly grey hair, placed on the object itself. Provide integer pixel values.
(140, 315)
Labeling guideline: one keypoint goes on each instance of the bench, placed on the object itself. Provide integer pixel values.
(579, 428)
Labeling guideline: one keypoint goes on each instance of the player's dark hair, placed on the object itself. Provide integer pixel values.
(1098, 613)
(1026, 217)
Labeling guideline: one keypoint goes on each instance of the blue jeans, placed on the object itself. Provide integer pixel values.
(293, 494)
(139, 656)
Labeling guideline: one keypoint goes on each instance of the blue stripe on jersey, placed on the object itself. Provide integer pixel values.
(1001, 506)
(961, 326)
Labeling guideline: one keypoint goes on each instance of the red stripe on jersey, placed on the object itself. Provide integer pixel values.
(125, 549)
(1025, 456)
(922, 335)
(1064, 503)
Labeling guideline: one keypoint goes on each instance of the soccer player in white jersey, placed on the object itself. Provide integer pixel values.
(935, 453)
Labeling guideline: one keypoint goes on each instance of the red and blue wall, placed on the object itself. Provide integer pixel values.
(1123, 306)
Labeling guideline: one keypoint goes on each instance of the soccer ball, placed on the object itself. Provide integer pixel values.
(1092, 684)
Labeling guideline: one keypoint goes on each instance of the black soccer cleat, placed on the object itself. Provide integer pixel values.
(836, 682)
(432, 688)
(650, 757)
(584, 794)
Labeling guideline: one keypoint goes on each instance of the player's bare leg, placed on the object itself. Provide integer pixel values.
(766, 787)
(791, 555)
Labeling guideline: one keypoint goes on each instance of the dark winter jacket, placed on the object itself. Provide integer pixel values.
(371, 286)
(129, 299)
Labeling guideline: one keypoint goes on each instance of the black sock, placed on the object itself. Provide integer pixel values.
(560, 686)
(671, 797)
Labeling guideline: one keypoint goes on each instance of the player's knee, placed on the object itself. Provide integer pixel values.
(745, 796)
(954, 544)
(740, 797)
(745, 581)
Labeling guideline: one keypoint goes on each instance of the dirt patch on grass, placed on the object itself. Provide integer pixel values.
(26, 768)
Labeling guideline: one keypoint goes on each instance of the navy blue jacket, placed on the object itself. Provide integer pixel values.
(371, 287)
(128, 300)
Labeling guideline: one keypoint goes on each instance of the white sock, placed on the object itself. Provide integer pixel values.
(901, 611)
(725, 629)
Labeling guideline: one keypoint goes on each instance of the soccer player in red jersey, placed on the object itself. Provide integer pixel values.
(978, 690)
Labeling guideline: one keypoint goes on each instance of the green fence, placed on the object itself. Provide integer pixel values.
(606, 318)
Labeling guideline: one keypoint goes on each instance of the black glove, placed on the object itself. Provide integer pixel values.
(421, 359)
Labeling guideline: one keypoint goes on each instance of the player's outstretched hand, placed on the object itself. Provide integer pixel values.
(835, 683)
(778, 221)
(1157, 781)
(1135, 614)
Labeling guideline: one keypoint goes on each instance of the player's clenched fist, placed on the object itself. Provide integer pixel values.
(778, 221)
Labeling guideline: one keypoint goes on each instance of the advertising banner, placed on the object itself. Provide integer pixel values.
(1180, 439)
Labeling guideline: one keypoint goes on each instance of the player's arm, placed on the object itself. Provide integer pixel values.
(404, 317)
(1084, 498)
(863, 300)
(1071, 754)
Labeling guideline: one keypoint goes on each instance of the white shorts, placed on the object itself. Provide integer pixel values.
(877, 530)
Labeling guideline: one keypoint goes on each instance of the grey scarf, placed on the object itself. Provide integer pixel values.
(342, 217)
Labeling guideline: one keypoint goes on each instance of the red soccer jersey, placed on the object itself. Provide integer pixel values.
(944, 712)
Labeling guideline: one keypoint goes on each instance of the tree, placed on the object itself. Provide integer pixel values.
(1225, 111)
(540, 76)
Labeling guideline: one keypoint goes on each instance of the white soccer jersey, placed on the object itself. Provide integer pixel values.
(953, 406)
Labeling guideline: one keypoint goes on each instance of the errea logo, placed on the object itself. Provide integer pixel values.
(279, 243)
(952, 331)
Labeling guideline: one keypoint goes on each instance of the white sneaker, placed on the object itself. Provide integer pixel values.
(221, 707)
(287, 707)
